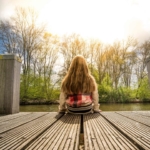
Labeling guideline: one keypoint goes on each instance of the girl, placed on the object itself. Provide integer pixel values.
(79, 92)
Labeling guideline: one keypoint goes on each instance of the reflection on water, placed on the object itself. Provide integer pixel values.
(103, 107)
(39, 108)
(125, 107)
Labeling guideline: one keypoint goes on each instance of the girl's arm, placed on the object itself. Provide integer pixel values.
(62, 102)
(95, 97)
(95, 101)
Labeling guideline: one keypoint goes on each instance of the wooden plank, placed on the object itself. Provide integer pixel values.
(10, 117)
(135, 131)
(108, 130)
(13, 123)
(23, 135)
(143, 113)
(64, 134)
(135, 116)
(101, 135)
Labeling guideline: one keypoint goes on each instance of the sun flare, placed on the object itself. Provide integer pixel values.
(106, 20)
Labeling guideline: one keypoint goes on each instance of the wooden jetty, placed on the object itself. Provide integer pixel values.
(120, 130)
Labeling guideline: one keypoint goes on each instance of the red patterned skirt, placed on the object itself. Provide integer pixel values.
(79, 103)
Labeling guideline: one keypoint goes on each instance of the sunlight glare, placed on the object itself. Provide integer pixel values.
(107, 20)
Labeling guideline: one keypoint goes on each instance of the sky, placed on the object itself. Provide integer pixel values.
(106, 20)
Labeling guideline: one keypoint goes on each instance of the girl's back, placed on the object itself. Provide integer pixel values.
(78, 87)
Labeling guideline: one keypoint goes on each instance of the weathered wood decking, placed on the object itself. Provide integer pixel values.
(124, 130)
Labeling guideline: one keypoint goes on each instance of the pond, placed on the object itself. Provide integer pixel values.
(103, 107)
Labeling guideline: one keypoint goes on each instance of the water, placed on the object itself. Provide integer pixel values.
(103, 107)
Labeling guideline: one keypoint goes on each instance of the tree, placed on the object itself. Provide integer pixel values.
(96, 53)
(70, 47)
(25, 22)
(50, 54)
(9, 39)
(142, 53)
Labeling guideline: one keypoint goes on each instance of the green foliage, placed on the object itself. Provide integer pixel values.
(95, 74)
(108, 94)
(55, 94)
(124, 94)
(105, 89)
(36, 89)
(33, 90)
(143, 92)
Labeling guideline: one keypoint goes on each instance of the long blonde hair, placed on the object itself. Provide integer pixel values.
(78, 79)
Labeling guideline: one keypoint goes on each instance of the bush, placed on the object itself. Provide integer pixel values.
(108, 94)
(143, 92)
(35, 89)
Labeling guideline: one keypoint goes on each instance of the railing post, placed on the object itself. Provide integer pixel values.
(10, 66)
(148, 68)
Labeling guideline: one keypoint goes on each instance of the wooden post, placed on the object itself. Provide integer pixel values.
(9, 84)
(148, 68)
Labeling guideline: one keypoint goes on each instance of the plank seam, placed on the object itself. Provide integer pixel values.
(22, 124)
(132, 119)
(128, 137)
(24, 147)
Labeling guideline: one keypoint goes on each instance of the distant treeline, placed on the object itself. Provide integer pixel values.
(119, 68)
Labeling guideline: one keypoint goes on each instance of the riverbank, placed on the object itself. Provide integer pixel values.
(45, 102)
(103, 107)
(38, 102)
